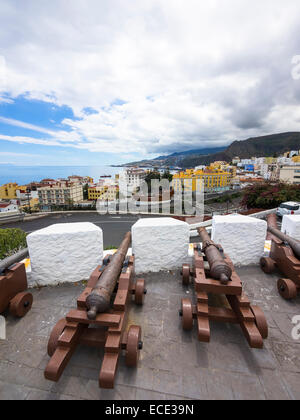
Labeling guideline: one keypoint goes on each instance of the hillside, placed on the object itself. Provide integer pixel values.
(175, 159)
(271, 145)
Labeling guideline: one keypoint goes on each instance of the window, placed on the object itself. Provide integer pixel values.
(289, 207)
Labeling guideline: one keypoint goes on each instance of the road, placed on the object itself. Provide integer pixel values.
(114, 227)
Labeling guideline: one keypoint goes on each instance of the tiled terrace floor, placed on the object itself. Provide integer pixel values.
(173, 365)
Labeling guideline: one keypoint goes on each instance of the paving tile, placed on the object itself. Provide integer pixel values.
(146, 394)
(142, 377)
(13, 392)
(292, 382)
(246, 387)
(273, 385)
(288, 356)
(120, 392)
(206, 384)
(173, 363)
(167, 382)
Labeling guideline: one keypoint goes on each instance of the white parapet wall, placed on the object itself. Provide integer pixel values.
(242, 238)
(291, 226)
(159, 244)
(64, 253)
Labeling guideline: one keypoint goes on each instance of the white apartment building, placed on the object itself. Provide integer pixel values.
(8, 207)
(131, 178)
(63, 193)
(290, 174)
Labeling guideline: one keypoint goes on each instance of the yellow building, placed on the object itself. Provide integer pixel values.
(194, 181)
(296, 159)
(270, 160)
(8, 191)
(104, 192)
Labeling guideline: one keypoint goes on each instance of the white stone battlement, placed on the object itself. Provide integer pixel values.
(64, 253)
(242, 237)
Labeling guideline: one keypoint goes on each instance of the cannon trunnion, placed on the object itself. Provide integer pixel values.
(284, 255)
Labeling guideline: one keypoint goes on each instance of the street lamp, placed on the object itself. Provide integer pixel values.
(28, 192)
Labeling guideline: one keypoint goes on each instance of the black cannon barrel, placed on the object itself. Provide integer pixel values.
(13, 259)
(293, 243)
(219, 269)
(98, 300)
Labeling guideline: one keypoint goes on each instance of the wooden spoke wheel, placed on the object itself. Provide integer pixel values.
(186, 272)
(133, 346)
(267, 265)
(55, 334)
(21, 304)
(260, 321)
(187, 314)
(140, 291)
(287, 288)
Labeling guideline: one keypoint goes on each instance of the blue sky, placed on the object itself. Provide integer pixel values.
(120, 81)
(44, 115)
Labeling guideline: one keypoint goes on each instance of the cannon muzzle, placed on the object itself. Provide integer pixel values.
(219, 269)
(98, 301)
(293, 243)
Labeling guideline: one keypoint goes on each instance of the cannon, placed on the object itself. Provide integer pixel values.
(13, 285)
(219, 269)
(285, 256)
(214, 274)
(99, 299)
(100, 319)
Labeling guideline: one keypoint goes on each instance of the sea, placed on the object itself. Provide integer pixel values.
(23, 175)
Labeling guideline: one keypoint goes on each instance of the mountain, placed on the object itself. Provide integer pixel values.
(176, 158)
(271, 145)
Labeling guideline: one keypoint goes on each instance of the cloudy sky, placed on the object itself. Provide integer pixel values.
(111, 81)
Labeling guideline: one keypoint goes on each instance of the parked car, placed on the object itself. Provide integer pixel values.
(290, 207)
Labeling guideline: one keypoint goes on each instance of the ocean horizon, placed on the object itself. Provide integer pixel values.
(26, 174)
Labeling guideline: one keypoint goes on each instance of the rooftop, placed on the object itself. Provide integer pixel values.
(173, 364)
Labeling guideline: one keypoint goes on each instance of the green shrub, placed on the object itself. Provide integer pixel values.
(268, 195)
(11, 240)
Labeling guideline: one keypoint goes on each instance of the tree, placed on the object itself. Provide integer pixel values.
(268, 195)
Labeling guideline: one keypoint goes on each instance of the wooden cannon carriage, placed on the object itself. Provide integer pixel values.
(104, 330)
(13, 285)
(220, 280)
(284, 255)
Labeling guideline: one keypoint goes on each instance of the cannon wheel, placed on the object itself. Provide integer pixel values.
(260, 321)
(187, 314)
(54, 336)
(267, 265)
(186, 272)
(133, 346)
(287, 289)
(140, 291)
(21, 304)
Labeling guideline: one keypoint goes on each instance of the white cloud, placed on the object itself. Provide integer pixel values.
(190, 73)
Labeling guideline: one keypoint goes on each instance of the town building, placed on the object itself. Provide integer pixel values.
(290, 174)
(60, 194)
(8, 191)
(83, 180)
(103, 192)
(131, 179)
(8, 207)
(193, 181)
